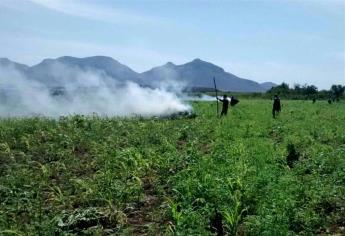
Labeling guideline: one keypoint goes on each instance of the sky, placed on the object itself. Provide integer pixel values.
(292, 41)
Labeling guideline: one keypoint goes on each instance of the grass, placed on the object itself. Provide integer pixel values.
(104, 176)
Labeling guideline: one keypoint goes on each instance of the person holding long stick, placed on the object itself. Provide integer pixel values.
(225, 107)
(225, 101)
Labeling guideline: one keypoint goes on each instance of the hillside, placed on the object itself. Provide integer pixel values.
(268, 85)
(50, 71)
(5, 62)
(199, 74)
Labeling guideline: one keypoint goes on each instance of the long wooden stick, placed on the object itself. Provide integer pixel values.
(215, 88)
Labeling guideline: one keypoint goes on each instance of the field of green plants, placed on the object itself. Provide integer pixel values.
(110, 176)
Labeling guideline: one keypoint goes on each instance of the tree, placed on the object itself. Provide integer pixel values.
(309, 90)
(337, 90)
(282, 89)
(297, 89)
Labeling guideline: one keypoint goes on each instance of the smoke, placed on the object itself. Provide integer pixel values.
(201, 98)
(76, 91)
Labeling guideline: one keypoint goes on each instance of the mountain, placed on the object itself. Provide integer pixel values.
(195, 75)
(268, 85)
(4, 62)
(199, 74)
(51, 70)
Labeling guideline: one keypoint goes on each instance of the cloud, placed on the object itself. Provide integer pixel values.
(35, 49)
(97, 12)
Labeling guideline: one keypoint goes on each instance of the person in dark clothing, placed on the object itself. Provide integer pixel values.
(276, 106)
(225, 102)
(314, 100)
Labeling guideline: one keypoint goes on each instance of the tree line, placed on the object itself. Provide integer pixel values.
(335, 93)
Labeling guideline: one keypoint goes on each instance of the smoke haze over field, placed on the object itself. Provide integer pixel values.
(84, 92)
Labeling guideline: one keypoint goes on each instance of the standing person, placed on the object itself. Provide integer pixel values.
(225, 102)
(276, 106)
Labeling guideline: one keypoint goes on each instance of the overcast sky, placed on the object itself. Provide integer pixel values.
(263, 40)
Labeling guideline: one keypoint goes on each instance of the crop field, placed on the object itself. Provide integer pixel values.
(135, 176)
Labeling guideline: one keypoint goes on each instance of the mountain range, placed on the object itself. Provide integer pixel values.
(196, 75)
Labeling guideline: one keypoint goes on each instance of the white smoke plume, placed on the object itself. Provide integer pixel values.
(84, 92)
(200, 98)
